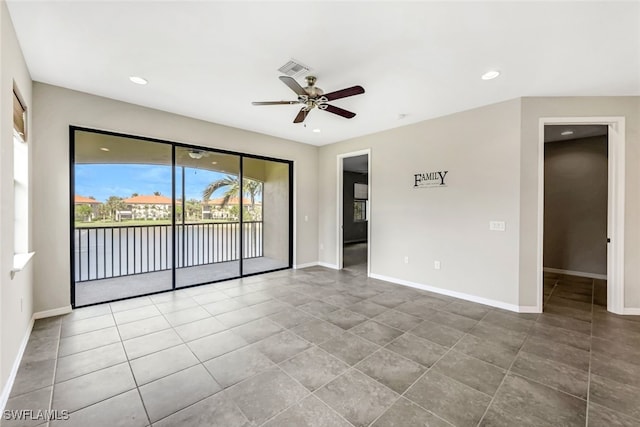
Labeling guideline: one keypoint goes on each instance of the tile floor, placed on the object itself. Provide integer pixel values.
(317, 347)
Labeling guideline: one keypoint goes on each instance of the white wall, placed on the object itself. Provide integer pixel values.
(56, 108)
(481, 150)
(16, 308)
(532, 110)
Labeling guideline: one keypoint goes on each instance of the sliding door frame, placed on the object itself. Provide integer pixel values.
(174, 144)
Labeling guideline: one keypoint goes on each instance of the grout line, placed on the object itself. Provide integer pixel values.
(590, 356)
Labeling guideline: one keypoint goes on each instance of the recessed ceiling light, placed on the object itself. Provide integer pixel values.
(566, 133)
(214, 163)
(104, 149)
(138, 80)
(316, 131)
(490, 75)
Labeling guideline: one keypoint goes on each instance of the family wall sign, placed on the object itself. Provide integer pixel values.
(429, 179)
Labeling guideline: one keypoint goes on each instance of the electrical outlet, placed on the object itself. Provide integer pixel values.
(436, 265)
(497, 226)
(406, 260)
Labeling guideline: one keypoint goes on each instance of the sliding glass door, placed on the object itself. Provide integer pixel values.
(150, 216)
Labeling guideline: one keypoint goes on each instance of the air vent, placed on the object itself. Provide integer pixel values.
(294, 69)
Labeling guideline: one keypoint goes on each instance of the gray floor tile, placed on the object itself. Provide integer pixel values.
(223, 306)
(214, 411)
(562, 336)
(239, 317)
(417, 349)
(86, 390)
(506, 337)
(291, 318)
(501, 417)
(530, 399)
(356, 397)
(346, 319)
(143, 327)
(209, 297)
(406, 413)
(216, 345)
(599, 416)
(388, 299)
(266, 394)
(253, 298)
(317, 308)
(317, 331)
(391, 369)
(487, 350)
(282, 346)
(349, 348)
(86, 313)
(468, 309)
(565, 323)
(617, 370)
(36, 400)
(128, 304)
(451, 320)
(177, 318)
(555, 374)
(614, 395)
(87, 325)
(257, 330)
(162, 363)
(88, 341)
(177, 391)
(398, 320)
(238, 365)
(341, 300)
(177, 305)
(123, 410)
(147, 344)
(451, 400)
(134, 314)
(615, 349)
(471, 371)
(437, 333)
(32, 376)
(314, 368)
(418, 308)
(558, 352)
(310, 412)
(39, 349)
(508, 321)
(368, 308)
(268, 308)
(199, 328)
(79, 364)
(376, 332)
(296, 298)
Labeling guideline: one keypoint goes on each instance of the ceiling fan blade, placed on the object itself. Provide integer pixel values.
(293, 85)
(339, 111)
(301, 115)
(350, 91)
(275, 102)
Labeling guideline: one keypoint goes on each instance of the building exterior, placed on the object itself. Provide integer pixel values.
(91, 203)
(216, 210)
(143, 207)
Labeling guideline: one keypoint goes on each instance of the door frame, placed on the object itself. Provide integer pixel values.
(615, 204)
(340, 214)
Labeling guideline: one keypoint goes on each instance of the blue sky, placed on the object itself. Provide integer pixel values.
(101, 181)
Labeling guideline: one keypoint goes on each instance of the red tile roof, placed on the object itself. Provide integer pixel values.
(81, 200)
(232, 201)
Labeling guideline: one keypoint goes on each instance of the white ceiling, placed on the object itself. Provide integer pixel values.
(210, 59)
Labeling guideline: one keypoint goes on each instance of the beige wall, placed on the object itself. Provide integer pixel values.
(56, 108)
(481, 150)
(575, 205)
(16, 295)
(532, 110)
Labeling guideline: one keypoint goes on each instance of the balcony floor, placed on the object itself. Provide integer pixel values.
(96, 291)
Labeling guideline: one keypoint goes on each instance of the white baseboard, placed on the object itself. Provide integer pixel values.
(629, 311)
(327, 265)
(305, 265)
(455, 294)
(50, 313)
(575, 273)
(529, 309)
(6, 390)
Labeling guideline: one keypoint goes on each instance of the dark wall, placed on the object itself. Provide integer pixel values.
(575, 205)
(352, 231)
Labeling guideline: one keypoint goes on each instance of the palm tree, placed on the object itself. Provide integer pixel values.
(250, 187)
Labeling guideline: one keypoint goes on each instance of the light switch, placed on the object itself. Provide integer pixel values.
(497, 226)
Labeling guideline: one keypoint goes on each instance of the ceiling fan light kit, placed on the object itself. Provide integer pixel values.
(312, 96)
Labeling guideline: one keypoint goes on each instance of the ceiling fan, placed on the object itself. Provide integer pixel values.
(312, 96)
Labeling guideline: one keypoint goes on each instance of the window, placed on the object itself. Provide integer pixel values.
(359, 210)
(20, 178)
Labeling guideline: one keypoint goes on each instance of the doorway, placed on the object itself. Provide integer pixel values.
(581, 210)
(151, 216)
(353, 213)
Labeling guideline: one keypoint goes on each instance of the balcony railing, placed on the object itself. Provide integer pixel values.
(106, 252)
